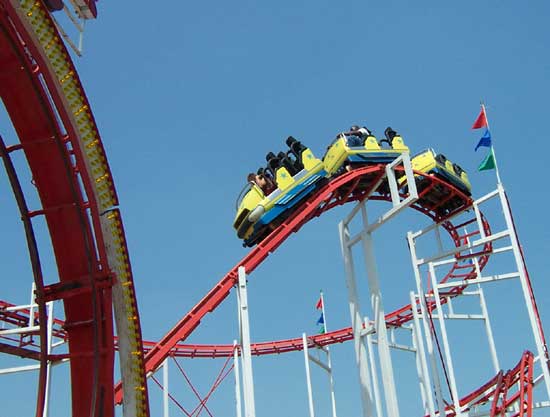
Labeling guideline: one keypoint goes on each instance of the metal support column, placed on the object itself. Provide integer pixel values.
(399, 203)
(446, 347)
(327, 367)
(536, 326)
(246, 354)
(357, 324)
(49, 335)
(372, 362)
(331, 382)
(386, 367)
(421, 364)
(308, 377)
(165, 388)
(426, 325)
(237, 378)
(485, 312)
(32, 305)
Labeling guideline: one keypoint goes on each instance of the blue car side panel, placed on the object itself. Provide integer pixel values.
(292, 198)
(373, 157)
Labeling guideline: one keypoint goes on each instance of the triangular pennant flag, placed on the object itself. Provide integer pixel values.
(481, 120)
(488, 163)
(322, 330)
(321, 319)
(485, 140)
(319, 304)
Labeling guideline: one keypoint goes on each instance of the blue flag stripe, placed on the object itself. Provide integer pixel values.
(485, 140)
(321, 319)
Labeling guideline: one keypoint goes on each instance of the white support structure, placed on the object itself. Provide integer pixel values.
(357, 326)
(372, 363)
(32, 305)
(485, 314)
(165, 399)
(386, 367)
(237, 378)
(246, 354)
(446, 347)
(500, 243)
(308, 377)
(527, 291)
(31, 327)
(421, 363)
(49, 333)
(347, 241)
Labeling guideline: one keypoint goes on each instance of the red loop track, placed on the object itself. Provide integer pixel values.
(64, 207)
(43, 96)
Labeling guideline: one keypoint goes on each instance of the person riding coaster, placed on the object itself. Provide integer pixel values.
(295, 178)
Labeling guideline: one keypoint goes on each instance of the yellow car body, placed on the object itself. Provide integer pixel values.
(430, 162)
(371, 152)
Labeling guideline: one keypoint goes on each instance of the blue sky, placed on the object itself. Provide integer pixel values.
(190, 97)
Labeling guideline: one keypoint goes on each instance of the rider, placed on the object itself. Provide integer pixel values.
(357, 135)
(265, 184)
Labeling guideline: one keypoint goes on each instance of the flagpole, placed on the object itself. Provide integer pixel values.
(331, 380)
(323, 311)
(499, 182)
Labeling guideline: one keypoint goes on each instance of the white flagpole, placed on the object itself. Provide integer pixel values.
(323, 311)
(331, 379)
(499, 182)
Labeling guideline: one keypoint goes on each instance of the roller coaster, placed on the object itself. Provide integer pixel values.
(60, 141)
(276, 191)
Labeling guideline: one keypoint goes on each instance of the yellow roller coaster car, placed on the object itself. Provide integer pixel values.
(257, 212)
(298, 173)
(341, 152)
(431, 162)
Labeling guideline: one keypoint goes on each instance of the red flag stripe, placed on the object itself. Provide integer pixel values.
(319, 304)
(481, 120)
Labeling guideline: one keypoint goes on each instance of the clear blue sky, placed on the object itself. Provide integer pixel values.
(190, 97)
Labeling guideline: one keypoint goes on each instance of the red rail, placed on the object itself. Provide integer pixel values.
(498, 391)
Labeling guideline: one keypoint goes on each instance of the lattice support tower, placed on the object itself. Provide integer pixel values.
(362, 328)
(436, 305)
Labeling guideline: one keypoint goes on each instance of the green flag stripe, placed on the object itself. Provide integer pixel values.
(488, 163)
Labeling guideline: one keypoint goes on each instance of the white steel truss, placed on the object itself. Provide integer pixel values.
(26, 334)
(442, 309)
(246, 354)
(362, 329)
(436, 306)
